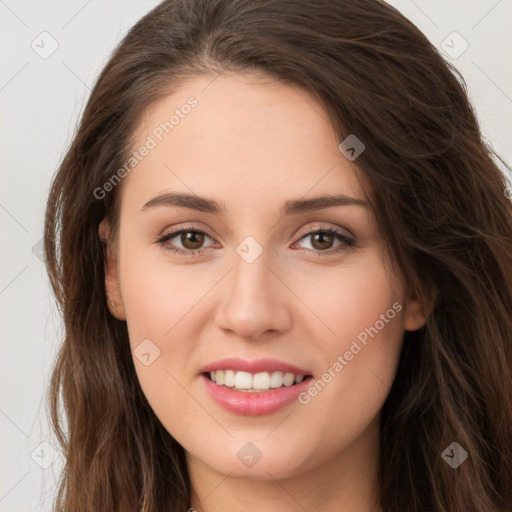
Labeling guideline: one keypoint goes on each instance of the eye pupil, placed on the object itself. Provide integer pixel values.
(192, 237)
(321, 237)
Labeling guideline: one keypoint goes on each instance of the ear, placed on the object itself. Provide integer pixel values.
(417, 311)
(112, 288)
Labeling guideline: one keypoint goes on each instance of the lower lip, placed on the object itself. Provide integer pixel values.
(254, 404)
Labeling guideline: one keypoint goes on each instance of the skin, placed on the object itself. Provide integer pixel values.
(252, 144)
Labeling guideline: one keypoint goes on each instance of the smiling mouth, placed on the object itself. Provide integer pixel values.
(254, 382)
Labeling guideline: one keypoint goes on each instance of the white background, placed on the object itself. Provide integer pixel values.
(41, 101)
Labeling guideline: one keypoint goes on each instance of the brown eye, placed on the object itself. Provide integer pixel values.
(322, 240)
(186, 241)
(192, 239)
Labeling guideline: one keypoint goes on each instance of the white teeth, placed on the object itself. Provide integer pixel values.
(245, 381)
(276, 379)
(229, 378)
(261, 381)
(288, 379)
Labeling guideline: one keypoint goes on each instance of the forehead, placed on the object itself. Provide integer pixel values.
(246, 140)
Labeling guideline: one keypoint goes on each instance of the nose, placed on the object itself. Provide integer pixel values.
(255, 300)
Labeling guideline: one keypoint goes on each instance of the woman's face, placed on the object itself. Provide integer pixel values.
(267, 279)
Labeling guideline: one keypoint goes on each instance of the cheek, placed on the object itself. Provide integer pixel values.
(160, 316)
(161, 299)
(351, 301)
(160, 305)
(363, 309)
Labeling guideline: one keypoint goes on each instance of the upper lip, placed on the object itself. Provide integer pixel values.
(254, 366)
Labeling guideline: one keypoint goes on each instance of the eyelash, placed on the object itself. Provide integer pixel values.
(348, 242)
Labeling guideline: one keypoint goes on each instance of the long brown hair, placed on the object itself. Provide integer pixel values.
(440, 202)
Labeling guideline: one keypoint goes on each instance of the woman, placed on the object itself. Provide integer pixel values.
(282, 252)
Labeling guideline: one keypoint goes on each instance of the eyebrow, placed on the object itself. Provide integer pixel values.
(203, 204)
